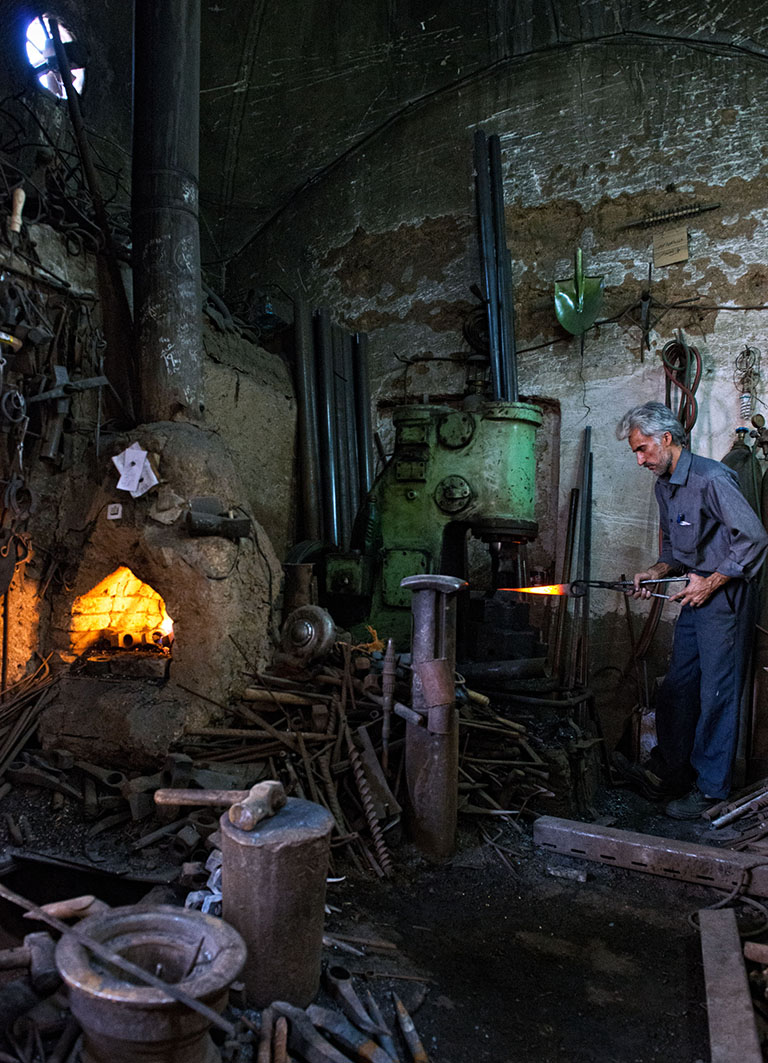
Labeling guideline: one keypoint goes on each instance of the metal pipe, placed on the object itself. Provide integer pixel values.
(166, 236)
(341, 434)
(432, 752)
(363, 412)
(347, 383)
(487, 258)
(309, 447)
(327, 428)
(338, 982)
(507, 352)
(567, 566)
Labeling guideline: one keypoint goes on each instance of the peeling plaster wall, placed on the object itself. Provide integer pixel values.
(593, 135)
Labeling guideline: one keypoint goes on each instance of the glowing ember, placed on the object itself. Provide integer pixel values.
(550, 588)
(120, 611)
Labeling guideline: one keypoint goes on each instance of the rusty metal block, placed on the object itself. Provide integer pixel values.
(685, 861)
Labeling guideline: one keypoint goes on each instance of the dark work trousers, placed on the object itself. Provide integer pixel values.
(697, 708)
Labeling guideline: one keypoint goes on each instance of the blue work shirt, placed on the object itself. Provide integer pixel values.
(707, 525)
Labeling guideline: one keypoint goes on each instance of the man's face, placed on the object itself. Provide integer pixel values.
(654, 455)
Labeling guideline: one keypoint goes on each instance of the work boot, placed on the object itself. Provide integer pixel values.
(692, 806)
(642, 780)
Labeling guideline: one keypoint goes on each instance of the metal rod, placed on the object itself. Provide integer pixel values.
(363, 412)
(488, 260)
(341, 434)
(570, 536)
(327, 427)
(507, 354)
(309, 445)
(116, 960)
(4, 664)
(347, 383)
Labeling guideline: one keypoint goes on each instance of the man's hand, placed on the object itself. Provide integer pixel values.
(657, 571)
(698, 589)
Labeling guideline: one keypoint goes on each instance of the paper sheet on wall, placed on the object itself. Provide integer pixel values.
(670, 246)
(136, 474)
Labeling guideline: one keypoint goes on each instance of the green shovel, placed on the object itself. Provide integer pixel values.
(578, 300)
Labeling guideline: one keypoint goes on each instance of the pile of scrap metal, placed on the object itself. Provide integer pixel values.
(47, 1010)
(337, 738)
(320, 1034)
(747, 814)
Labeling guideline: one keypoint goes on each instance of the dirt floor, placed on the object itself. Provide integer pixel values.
(498, 957)
(527, 967)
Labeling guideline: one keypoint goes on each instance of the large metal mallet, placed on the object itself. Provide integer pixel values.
(246, 807)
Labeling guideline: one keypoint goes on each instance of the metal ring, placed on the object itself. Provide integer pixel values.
(13, 405)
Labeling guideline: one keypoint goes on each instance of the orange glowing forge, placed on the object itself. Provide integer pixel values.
(122, 611)
(550, 588)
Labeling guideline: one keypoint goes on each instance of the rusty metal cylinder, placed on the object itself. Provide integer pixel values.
(124, 1022)
(432, 747)
(273, 886)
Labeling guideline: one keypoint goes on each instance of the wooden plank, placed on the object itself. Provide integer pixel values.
(732, 1029)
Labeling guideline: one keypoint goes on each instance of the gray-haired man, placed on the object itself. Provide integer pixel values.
(712, 534)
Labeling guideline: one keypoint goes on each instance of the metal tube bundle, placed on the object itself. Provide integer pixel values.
(496, 267)
(339, 398)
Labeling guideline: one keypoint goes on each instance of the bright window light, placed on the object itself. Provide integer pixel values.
(42, 56)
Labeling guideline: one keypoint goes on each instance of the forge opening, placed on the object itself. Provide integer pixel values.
(120, 613)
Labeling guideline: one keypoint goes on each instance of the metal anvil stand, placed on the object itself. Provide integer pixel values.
(432, 748)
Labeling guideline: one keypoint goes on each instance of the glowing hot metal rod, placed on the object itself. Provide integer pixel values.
(579, 587)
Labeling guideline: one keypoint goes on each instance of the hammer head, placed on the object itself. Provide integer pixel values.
(263, 800)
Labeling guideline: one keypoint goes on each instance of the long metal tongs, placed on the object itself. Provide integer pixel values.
(579, 587)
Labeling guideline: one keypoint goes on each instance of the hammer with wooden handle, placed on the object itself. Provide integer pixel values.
(246, 807)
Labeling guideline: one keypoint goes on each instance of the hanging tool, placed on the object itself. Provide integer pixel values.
(579, 587)
(663, 216)
(61, 394)
(14, 221)
(578, 300)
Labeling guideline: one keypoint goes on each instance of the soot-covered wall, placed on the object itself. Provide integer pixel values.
(607, 114)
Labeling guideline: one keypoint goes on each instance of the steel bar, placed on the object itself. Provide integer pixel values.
(488, 258)
(409, 1032)
(360, 1045)
(753, 805)
(106, 955)
(352, 443)
(363, 412)
(732, 1027)
(342, 439)
(685, 861)
(264, 1050)
(507, 353)
(329, 471)
(387, 1040)
(338, 982)
(309, 443)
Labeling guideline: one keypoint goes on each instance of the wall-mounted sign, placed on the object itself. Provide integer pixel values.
(670, 246)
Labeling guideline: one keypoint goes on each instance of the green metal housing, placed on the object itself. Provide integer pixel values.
(452, 472)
